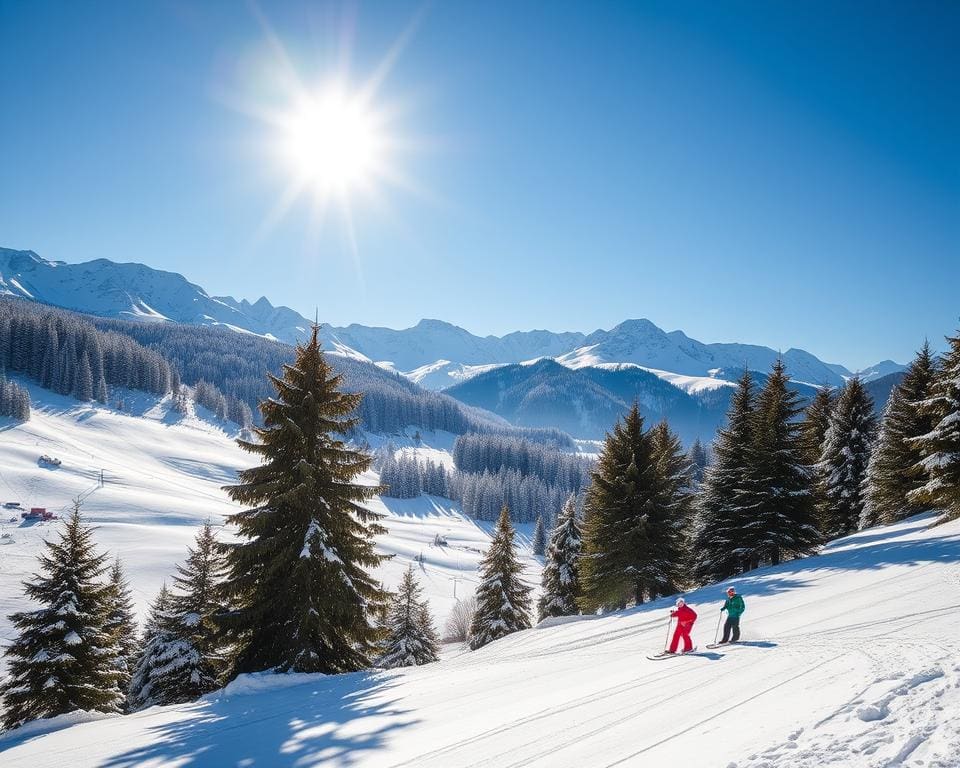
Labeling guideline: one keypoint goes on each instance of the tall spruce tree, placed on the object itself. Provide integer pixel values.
(940, 448)
(845, 457)
(727, 496)
(62, 658)
(193, 606)
(121, 625)
(539, 537)
(411, 637)
(503, 599)
(629, 537)
(560, 578)
(300, 597)
(895, 472)
(783, 521)
(675, 503)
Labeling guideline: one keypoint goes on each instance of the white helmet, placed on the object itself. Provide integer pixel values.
(681, 601)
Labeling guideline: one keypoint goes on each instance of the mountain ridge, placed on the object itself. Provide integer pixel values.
(434, 353)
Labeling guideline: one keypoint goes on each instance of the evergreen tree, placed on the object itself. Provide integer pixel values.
(539, 537)
(411, 639)
(300, 597)
(560, 579)
(698, 461)
(895, 472)
(62, 658)
(675, 502)
(631, 544)
(160, 654)
(846, 454)
(503, 599)
(813, 431)
(121, 626)
(783, 521)
(727, 496)
(192, 609)
(940, 448)
(816, 422)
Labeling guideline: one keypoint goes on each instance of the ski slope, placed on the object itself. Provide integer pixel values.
(850, 658)
(163, 477)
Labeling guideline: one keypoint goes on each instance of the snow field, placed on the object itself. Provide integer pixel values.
(849, 658)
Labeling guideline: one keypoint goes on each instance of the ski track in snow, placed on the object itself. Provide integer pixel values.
(847, 659)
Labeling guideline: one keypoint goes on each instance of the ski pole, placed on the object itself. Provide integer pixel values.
(667, 643)
(717, 633)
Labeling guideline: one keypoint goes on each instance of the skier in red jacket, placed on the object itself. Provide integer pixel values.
(685, 616)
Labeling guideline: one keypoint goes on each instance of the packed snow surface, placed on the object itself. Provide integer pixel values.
(849, 658)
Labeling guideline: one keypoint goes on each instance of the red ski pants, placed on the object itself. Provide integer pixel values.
(682, 631)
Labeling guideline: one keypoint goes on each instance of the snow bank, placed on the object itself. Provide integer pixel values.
(262, 682)
(50, 724)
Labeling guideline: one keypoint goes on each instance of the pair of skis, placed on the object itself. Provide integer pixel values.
(668, 655)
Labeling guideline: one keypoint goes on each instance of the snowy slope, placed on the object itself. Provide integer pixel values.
(850, 659)
(163, 480)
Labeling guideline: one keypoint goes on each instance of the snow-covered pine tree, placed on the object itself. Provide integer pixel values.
(411, 638)
(894, 472)
(503, 599)
(843, 463)
(62, 658)
(150, 682)
(631, 546)
(727, 495)
(193, 604)
(816, 422)
(813, 431)
(560, 579)
(300, 596)
(539, 537)
(121, 626)
(940, 448)
(783, 522)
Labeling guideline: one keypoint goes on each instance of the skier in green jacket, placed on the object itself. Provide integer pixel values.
(734, 607)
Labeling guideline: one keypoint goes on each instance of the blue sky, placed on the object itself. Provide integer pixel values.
(778, 173)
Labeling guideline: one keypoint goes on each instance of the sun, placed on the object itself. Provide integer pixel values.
(332, 142)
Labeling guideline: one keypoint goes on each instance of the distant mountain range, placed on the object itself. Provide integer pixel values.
(535, 378)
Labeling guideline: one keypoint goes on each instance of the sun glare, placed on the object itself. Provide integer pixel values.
(331, 142)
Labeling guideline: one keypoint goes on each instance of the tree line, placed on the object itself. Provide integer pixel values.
(492, 470)
(69, 355)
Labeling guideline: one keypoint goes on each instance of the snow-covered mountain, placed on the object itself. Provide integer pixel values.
(643, 343)
(433, 353)
(138, 292)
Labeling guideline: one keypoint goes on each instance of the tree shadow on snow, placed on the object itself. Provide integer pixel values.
(332, 721)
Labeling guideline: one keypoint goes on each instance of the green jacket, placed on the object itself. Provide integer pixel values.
(734, 607)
